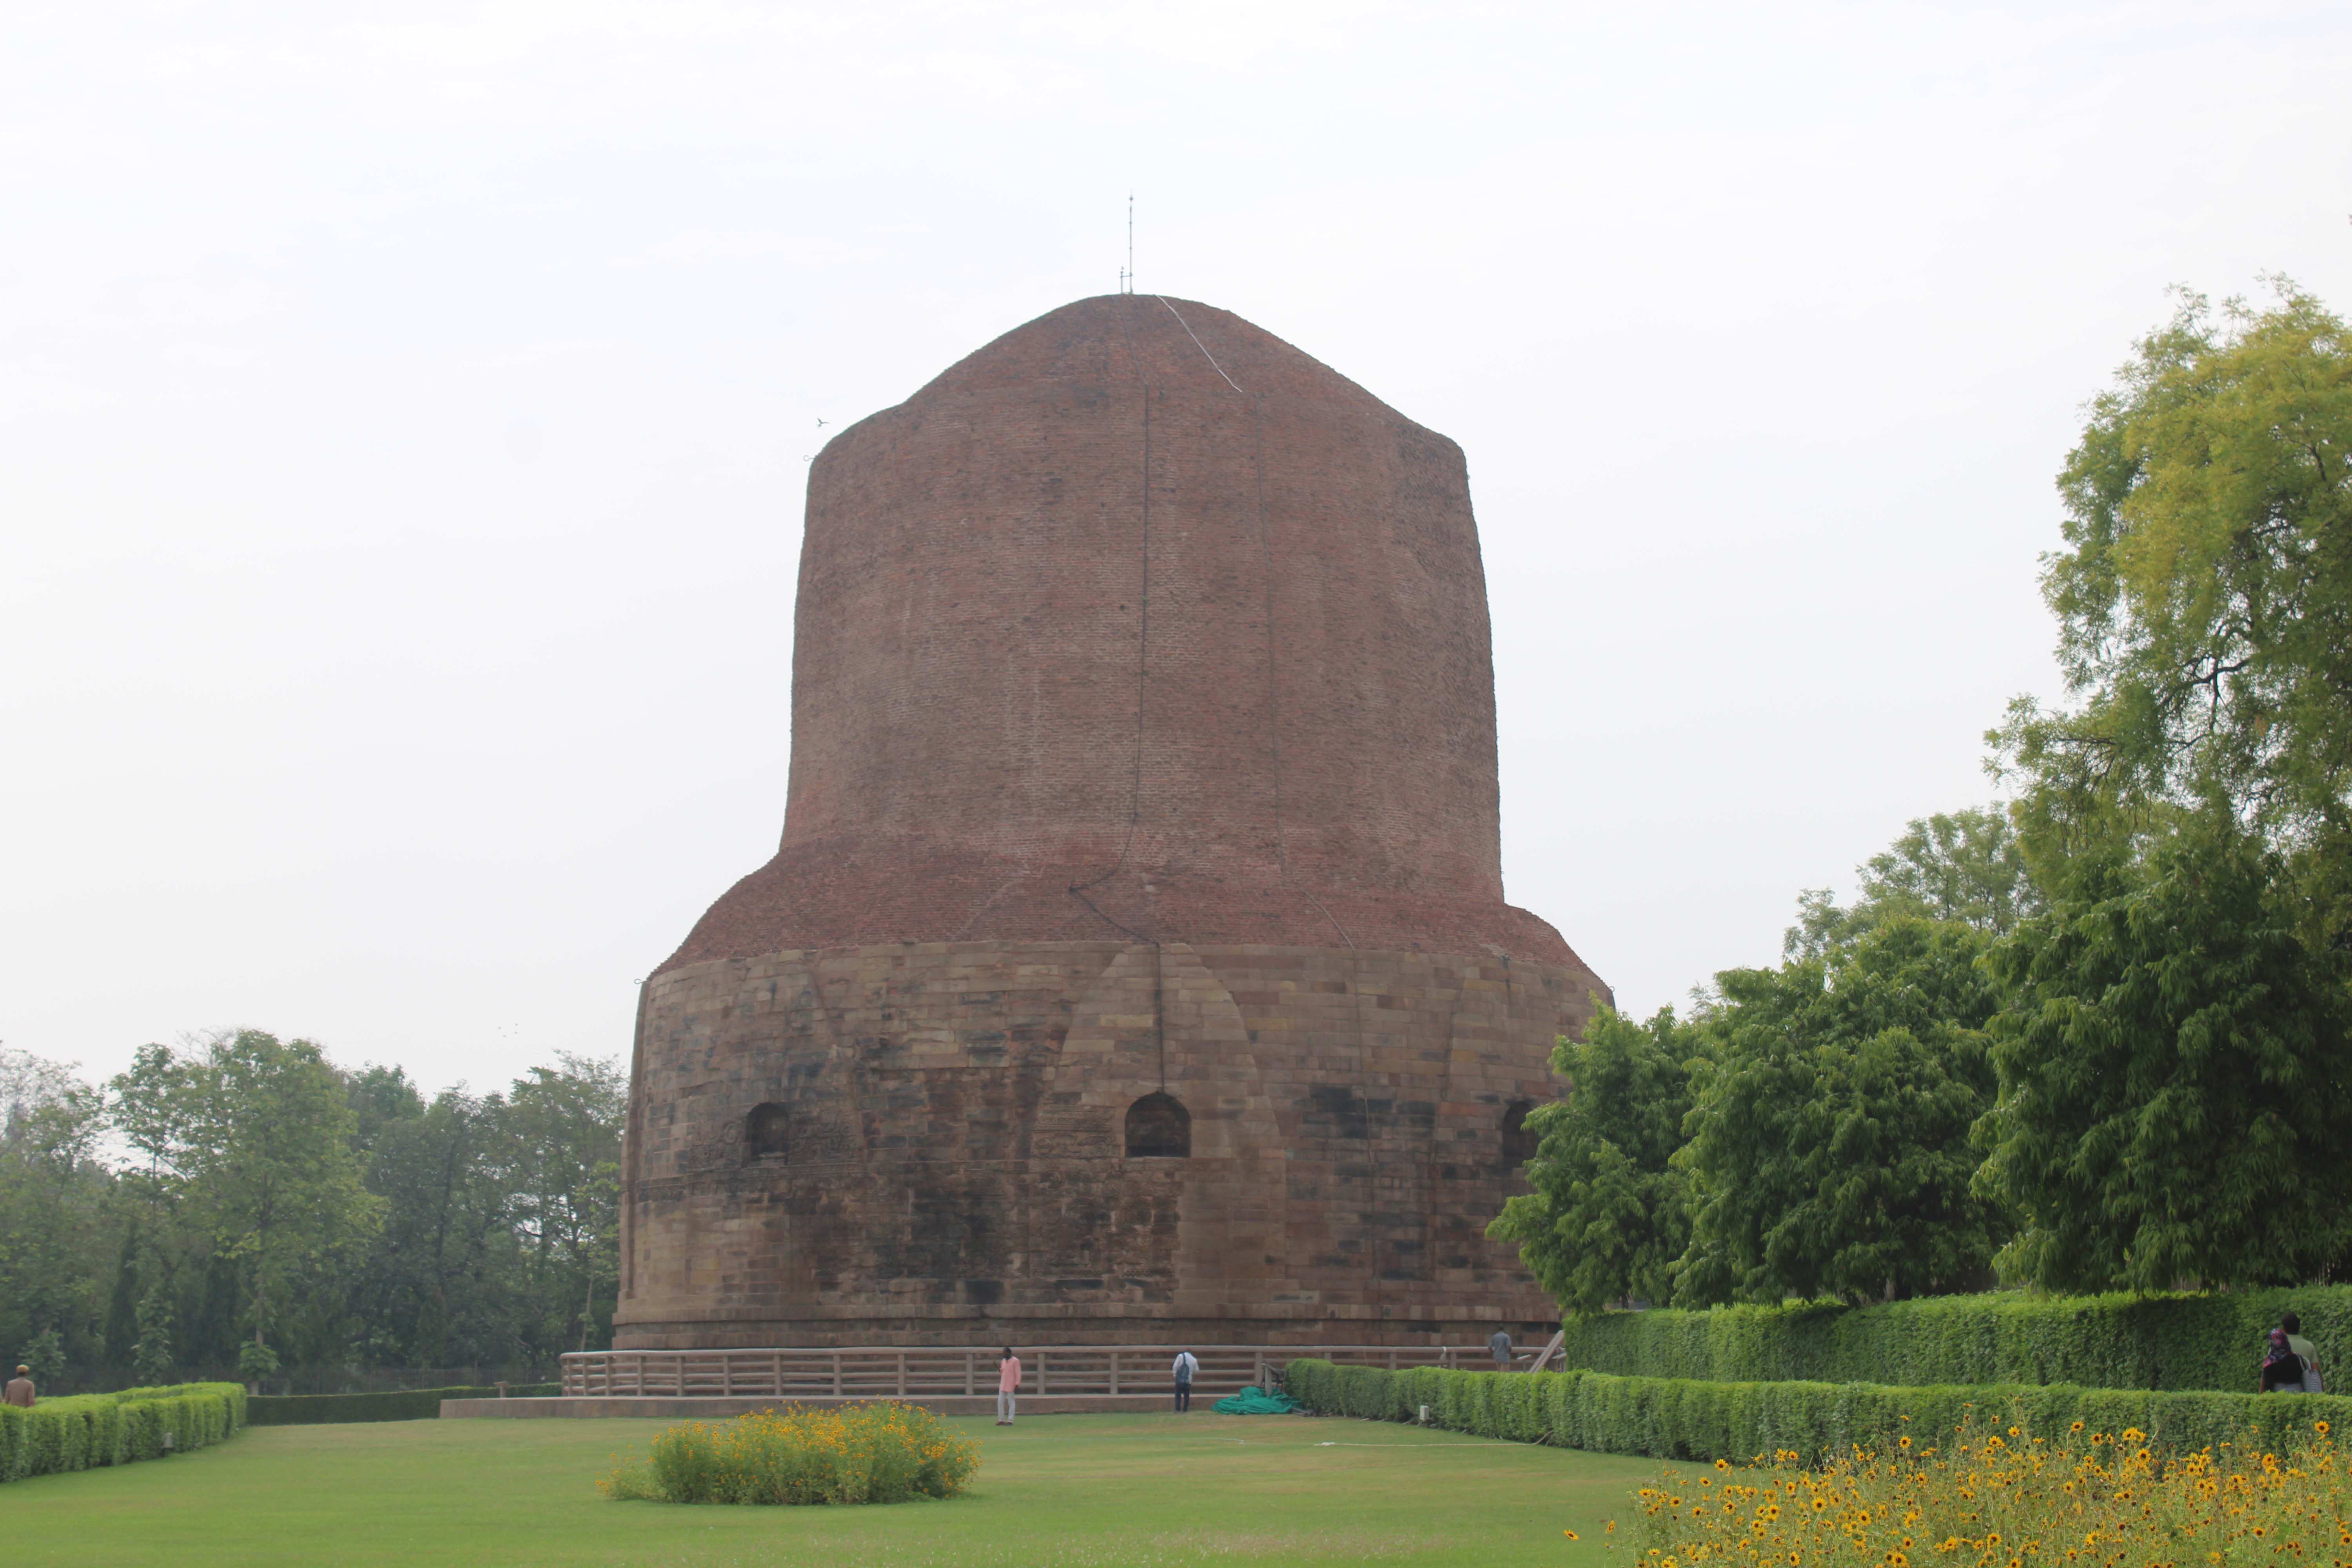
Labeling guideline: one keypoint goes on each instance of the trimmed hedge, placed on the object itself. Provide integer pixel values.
(399, 1404)
(1681, 1418)
(2206, 1340)
(89, 1430)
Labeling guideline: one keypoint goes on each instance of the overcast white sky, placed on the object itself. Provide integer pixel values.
(404, 409)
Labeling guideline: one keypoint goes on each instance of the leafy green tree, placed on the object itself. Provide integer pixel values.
(381, 1095)
(2205, 605)
(44, 1357)
(2174, 1066)
(442, 1284)
(152, 1351)
(59, 1214)
(1964, 866)
(1828, 1140)
(248, 1142)
(1610, 1214)
(566, 1121)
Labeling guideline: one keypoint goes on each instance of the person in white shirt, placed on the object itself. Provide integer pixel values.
(1187, 1363)
(2303, 1348)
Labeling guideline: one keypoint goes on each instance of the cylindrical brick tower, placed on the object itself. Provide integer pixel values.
(1135, 966)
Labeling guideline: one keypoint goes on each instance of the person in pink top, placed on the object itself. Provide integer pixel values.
(1008, 1383)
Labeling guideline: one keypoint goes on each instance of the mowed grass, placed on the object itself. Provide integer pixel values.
(1055, 1491)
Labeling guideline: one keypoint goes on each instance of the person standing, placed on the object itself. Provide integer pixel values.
(1500, 1345)
(19, 1391)
(1187, 1363)
(1008, 1383)
(2282, 1368)
(2303, 1349)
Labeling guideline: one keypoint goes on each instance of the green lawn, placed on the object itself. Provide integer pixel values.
(1056, 1492)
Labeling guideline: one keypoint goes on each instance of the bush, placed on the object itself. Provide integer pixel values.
(94, 1429)
(399, 1404)
(1682, 1418)
(859, 1453)
(2211, 1341)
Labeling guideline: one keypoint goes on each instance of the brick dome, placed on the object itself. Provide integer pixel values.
(1137, 624)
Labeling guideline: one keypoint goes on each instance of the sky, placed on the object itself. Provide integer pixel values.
(404, 412)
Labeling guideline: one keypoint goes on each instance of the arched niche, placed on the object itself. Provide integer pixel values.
(1519, 1140)
(1159, 1127)
(765, 1136)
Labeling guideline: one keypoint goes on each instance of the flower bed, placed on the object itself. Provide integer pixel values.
(2001, 1498)
(884, 1452)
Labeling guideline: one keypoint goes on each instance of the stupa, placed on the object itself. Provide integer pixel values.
(1135, 967)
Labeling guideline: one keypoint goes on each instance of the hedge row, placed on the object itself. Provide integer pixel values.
(93, 1429)
(2098, 1341)
(400, 1405)
(1679, 1418)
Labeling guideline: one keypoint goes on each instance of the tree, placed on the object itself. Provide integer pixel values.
(1610, 1214)
(566, 1121)
(249, 1140)
(58, 1217)
(1964, 866)
(442, 1283)
(151, 1353)
(2174, 1068)
(1828, 1139)
(2205, 605)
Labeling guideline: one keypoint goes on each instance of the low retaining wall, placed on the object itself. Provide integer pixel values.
(720, 1409)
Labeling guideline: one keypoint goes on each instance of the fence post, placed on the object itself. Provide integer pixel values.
(837, 1374)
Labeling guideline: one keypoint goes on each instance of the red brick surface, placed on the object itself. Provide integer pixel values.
(1081, 613)
(1143, 743)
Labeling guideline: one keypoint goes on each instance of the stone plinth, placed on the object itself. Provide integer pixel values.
(949, 1159)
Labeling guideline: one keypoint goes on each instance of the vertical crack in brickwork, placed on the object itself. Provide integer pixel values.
(1142, 641)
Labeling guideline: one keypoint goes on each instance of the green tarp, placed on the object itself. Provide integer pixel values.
(1256, 1402)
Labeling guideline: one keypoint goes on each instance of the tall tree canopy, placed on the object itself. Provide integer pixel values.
(2174, 1068)
(2205, 601)
(1964, 866)
(1828, 1138)
(241, 1182)
(253, 1136)
(1609, 1214)
(54, 1197)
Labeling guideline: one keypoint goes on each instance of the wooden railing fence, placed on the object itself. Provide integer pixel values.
(940, 1372)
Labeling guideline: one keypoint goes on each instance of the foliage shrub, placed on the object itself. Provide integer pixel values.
(396, 1405)
(883, 1452)
(1679, 1418)
(2211, 1341)
(94, 1429)
(2001, 1495)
